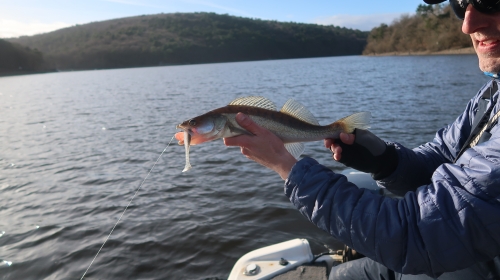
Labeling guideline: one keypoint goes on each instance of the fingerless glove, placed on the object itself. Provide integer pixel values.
(369, 154)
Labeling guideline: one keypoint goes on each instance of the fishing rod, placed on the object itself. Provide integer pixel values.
(130, 202)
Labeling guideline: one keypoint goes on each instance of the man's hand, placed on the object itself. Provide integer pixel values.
(262, 147)
(336, 148)
(365, 152)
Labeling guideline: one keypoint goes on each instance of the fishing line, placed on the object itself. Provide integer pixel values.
(130, 202)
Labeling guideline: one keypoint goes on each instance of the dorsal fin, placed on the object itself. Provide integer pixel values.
(299, 111)
(254, 101)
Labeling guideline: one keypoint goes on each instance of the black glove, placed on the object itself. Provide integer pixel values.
(369, 154)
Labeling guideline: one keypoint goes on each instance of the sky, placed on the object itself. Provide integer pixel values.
(30, 17)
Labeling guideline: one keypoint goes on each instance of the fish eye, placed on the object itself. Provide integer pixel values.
(192, 122)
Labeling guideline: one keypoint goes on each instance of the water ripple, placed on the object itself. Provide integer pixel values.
(65, 180)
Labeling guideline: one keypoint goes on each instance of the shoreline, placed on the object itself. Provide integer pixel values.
(461, 51)
(20, 73)
(469, 50)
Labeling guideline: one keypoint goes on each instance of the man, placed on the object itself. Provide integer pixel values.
(448, 223)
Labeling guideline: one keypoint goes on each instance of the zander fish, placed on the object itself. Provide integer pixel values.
(293, 124)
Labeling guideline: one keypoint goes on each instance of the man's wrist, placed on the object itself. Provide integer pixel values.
(285, 166)
(388, 163)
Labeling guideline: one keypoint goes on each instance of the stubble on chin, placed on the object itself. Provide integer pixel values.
(489, 63)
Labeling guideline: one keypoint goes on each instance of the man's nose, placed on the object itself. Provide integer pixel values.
(474, 20)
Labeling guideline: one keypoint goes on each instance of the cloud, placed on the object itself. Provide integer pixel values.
(361, 22)
(13, 28)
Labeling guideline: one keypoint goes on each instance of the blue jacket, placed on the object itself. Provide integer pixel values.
(448, 220)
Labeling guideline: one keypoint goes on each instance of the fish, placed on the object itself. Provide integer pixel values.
(294, 124)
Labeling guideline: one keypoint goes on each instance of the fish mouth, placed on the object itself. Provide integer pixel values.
(185, 129)
(179, 135)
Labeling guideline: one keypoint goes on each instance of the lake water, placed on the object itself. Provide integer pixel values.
(75, 146)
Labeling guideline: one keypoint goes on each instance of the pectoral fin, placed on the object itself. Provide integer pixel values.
(234, 130)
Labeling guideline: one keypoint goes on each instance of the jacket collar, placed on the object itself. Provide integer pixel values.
(493, 75)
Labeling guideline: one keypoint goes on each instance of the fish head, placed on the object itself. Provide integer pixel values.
(203, 128)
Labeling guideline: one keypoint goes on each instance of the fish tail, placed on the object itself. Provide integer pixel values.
(359, 120)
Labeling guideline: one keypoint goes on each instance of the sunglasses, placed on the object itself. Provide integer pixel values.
(482, 6)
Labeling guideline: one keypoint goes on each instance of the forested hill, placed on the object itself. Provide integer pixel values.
(433, 28)
(184, 38)
(16, 58)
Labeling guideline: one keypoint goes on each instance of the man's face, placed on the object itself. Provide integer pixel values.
(484, 31)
